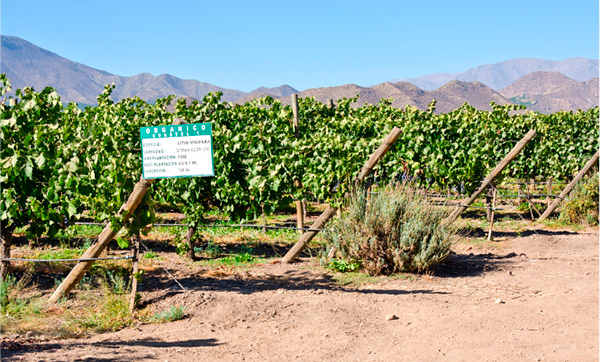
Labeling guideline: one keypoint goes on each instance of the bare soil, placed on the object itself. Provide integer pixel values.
(530, 298)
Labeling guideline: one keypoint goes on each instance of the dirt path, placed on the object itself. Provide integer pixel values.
(533, 298)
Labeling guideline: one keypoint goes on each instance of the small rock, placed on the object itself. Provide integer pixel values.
(390, 317)
(499, 301)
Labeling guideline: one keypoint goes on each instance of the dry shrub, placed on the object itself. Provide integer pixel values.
(582, 207)
(395, 231)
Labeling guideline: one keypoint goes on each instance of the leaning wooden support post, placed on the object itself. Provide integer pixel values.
(593, 161)
(309, 235)
(330, 211)
(378, 154)
(105, 237)
(492, 176)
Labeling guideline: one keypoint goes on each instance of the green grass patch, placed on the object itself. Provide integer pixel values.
(342, 266)
(354, 279)
(172, 314)
(87, 312)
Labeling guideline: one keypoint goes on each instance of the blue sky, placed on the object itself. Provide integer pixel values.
(306, 44)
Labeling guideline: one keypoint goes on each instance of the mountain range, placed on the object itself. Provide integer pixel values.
(543, 85)
(500, 75)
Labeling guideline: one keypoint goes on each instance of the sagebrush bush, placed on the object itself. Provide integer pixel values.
(395, 231)
(582, 207)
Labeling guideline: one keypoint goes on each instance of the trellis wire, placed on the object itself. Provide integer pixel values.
(68, 260)
(165, 269)
(217, 226)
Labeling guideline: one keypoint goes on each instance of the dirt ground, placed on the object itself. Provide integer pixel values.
(529, 298)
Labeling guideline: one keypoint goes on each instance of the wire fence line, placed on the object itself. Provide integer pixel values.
(165, 269)
(258, 226)
(68, 260)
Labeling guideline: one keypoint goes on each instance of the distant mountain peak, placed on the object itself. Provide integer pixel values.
(281, 91)
(500, 75)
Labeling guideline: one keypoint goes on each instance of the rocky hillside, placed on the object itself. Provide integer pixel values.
(548, 92)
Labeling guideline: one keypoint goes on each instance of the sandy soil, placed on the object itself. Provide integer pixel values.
(532, 298)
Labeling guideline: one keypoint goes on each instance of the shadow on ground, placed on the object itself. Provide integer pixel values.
(18, 349)
(480, 233)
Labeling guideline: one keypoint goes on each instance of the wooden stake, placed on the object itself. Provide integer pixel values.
(529, 199)
(330, 103)
(134, 281)
(593, 161)
(299, 206)
(304, 210)
(190, 242)
(105, 237)
(532, 206)
(377, 155)
(493, 211)
(135, 246)
(549, 191)
(328, 213)
(308, 236)
(488, 202)
(492, 176)
(300, 216)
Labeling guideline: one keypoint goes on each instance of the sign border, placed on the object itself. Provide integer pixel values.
(208, 133)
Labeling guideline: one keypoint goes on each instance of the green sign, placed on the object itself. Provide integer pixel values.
(177, 151)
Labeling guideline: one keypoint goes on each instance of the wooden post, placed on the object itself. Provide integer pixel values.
(488, 202)
(377, 155)
(530, 192)
(105, 237)
(529, 199)
(328, 213)
(135, 246)
(134, 281)
(492, 176)
(300, 215)
(304, 210)
(593, 161)
(519, 200)
(190, 242)
(493, 211)
(330, 103)
(308, 236)
(299, 204)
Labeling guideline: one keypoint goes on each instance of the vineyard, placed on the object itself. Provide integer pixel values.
(60, 163)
